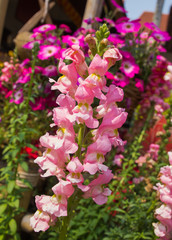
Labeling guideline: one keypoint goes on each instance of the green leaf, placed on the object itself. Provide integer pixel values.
(2, 237)
(16, 203)
(13, 225)
(3, 207)
(10, 186)
(24, 165)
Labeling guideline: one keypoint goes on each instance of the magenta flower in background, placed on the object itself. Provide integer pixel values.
(30, 45)
(17, 97)
(65, 28)
(48, 51)
(139, 84)
(70, 40)
(161, 36)
(121, 80)
(152, 26)
(127, 27)
(39, 104)
(121, 9)
(50, 71)
(116, 39)
(44, 28)
(129, 68)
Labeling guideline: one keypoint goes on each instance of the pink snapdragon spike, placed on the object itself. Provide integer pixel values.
(83, 134)
(163, 228)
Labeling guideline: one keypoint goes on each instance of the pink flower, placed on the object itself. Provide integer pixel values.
(99, 66)
(97, 191)
(53, 162)
(139, 84)
(112, 55)
(121, 80)
(166, 176)
(48, 51)
(64, 139)
(129, 68)
(84, 114)
(17, 97)
(39, 104)
(116, 39)
(41, 220)
(70, 40)
(63, 188)
(121, 9)
(77, 56)
(127, 27)
(114, 119)
(65, 28)
(75, 168)
(84, 94)
(30, 45)
(159, 229)
(67, 83)
(55, 206)
(44, 28)
(118, 159)
(50, 71)
(95, 155)
(161, 36)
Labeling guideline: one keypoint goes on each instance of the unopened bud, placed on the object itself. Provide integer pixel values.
(91, 43)
(103, 44)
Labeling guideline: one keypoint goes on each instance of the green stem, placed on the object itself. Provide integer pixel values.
(80, 140)
(130, 160)
(72, 204)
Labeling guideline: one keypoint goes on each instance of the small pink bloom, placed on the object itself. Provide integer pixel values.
(75, 168)
(161, 36)
(63, 188)
(17, 97)
(112, 55)
(121, 9)
(40, 221)
(98, 65)
(118, 159)
(97, 191)
(44, 28)
(127, 27)
(39, 104)
(70, 40)
(139, 84)
(65, 28)
(84, 114)
(129, 68)
(121, 80)
(48, 51)
(50, 71)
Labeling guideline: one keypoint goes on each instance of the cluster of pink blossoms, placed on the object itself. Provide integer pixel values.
(69, 155)
(163, 228)
(158, 88)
